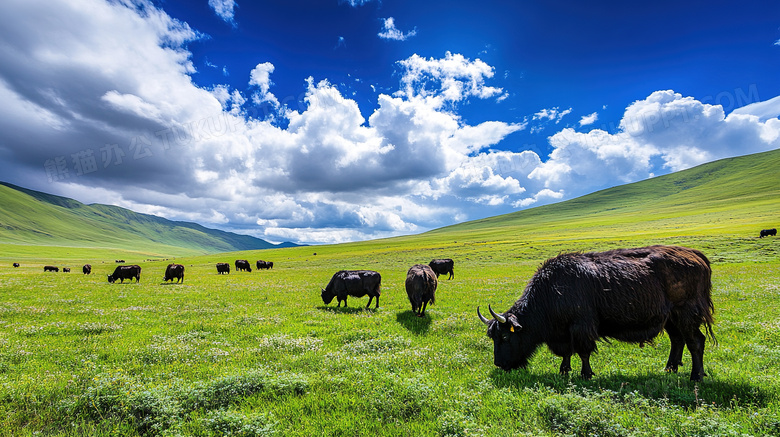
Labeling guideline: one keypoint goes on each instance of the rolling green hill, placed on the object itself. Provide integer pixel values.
(30, 217)
(732, 195)
(731, 198)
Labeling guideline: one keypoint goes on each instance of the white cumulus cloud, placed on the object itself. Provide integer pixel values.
(553, 114)
(225, 9)
(389, 31)
(260, 77)
(589, 119)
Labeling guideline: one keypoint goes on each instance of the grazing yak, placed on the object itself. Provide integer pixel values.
(421, 285)
(87, 269)
(767, 233)
(119, 260)
(66, 270)
(16, 264)
(631, 295)
(125, 272)
(51, 269)
(264, 265)
(223, 268)
(442, 267)
(243, 265)
(174, 271)
(357, 283)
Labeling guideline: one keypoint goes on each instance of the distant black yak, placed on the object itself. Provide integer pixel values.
(223, 268)
(174, 271)
(630, 295)
(767, 233)
(16, 264)
(87, 269)
(357, 283)
(125, 272)
(421, 286)
(51, 269)
(442, 267)
(264, 265)
(243, 265)
(66, 270)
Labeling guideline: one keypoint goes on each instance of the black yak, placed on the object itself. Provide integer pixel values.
(243, 265)
(125, 272)
(16, 264)
(223, 268)
(264, 265)
(51, 269)
(442, 267)
(174, 271)
(87, 269)
(767, 233)
(630, 295)
(421, 285)
(357, 283)
(66, 269)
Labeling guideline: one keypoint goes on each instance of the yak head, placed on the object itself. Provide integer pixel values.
(327, 296)
(509, 349)
(111, 279)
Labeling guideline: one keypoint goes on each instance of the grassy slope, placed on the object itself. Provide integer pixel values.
(740, 194)
(29, 217)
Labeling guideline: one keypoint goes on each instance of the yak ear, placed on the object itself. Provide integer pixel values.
(513, 324)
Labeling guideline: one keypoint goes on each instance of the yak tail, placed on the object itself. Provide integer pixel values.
(709, 307)
(705, 306)
(432, 283)
(709, 320)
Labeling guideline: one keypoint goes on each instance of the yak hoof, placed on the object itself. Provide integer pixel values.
(586, 375)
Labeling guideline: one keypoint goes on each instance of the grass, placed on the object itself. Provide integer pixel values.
(256, 354)
(259, 354)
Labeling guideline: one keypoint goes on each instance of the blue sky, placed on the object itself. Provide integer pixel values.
(334, 121)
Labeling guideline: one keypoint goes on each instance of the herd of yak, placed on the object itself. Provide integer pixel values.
(570, 303)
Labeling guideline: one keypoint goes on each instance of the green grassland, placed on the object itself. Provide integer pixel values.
(255, 354)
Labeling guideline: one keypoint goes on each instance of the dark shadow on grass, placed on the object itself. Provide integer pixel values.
(675, 389)
(171, 283)
(346, 310)
(410, 321)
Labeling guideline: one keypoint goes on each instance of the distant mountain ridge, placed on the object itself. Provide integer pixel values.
(34, 217)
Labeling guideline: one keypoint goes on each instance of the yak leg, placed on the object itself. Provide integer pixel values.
(695, 343)
(422, 312)
(565, 365)
(586, 372)
(676, 350)
(370, 298)
(583, 344)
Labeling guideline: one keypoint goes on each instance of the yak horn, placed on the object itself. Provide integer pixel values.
(499, 317)
(483, 318)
